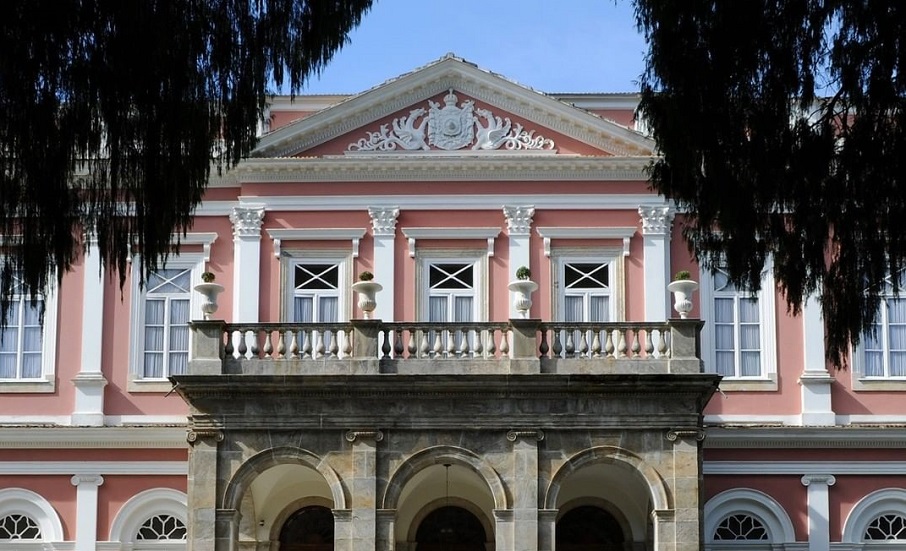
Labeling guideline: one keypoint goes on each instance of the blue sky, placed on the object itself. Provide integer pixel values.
(565, 46)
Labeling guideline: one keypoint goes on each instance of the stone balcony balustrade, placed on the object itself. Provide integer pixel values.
(517, 346)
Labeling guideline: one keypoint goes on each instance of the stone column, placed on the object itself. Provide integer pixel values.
(525, 487)
(386, 527)
(818, 510)
(519, 224)
(90, 382)
(364, 488)
(815, 381)
(203, 526)
(656, 225)
(547, 529)
(504, 539)
(247, 222)
(663, 522)
(383, 226)
(342, 530)
(86, 529)
(685, 486)
(226, 528)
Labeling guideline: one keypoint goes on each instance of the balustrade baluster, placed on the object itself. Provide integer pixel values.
(492, 342)
(228, 348)
(451, 344)
(504, 343)
(596, 344)
(347, 343)
(398, 343)
(281, 344)
(293, 345)
(608, 344)
(636, 346)
(570, 347)
(583, 344)
(319, 339)
(649, 343)
(410, 342)
(306, 344)
(268, 347)
(544, 348)
(480, 335)
(423, 347)
(334, 344)
(386, 347)
(558, 346)
(438, 345)
(621, 344)
(662, 343)
(243, 348)
(255, 338)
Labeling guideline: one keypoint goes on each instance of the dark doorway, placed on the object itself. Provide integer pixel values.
(308, 529)
(589, 528)
(450, 529)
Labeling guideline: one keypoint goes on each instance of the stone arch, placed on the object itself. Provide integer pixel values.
(660, 496)
(877, 503)
(438, 455)
(19, 501)
(486, 523)
(282, 455)
(751, 502)
(144, 505)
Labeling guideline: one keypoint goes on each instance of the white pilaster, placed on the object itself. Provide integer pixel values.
(383, 224)
(86, 511)
(519, 224)
(815, 381)
(656, 224)
(246, 221)
(90, 382)
(818, 510)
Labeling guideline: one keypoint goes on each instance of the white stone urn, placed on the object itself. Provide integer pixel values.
(367, 290)
(209, 290)
(522, 301)
(682, 290)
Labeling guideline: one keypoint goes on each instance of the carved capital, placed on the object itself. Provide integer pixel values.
(199, 433)
(513, 435)
(827, 479)
(383, 219)
(656, 220)
(676, 434)
(353, 435)
(519, 219)
(88, 480)
(247, 221)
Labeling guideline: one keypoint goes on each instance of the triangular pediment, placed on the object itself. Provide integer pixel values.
(451, 107)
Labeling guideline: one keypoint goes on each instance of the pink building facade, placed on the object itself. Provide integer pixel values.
(120, 425)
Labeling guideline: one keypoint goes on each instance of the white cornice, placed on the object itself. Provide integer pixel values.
(416, 201)
(94, 468)
(806, 437)
(316, 234)
(623, 233)
(429, 168)
(92, 437)
(488, 234)
(205, 239)
(834, 466)
(439, 77)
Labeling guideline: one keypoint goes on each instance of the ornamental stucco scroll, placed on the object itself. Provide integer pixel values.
(451, 127)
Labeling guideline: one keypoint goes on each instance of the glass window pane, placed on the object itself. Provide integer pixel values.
(329, 309)
(462, 309)
(303, 309)
(573, 308)
(437, 308)
(600, 308)
(748, 310)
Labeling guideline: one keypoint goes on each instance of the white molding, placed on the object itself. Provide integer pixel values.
(871, 420)
(793, 437)
(437, 168)
(88, 468)
(316, 234)
(879, 502)
(489, 234)
(624, 233)
(28, 437)
(205, 239)
(35, 506)
(831, 467)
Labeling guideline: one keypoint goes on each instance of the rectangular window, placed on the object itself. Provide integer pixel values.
(586, 291)
(884, 347)
(315, 292)
(451, 291)
(166, 330)
(27, 343)
(738, 338)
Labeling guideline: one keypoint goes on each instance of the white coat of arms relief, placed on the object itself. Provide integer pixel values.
(449, 128)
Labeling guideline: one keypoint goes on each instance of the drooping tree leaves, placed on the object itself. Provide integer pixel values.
(782, 131)
(113, 113)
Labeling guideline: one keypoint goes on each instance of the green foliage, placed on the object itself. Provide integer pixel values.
(366, 276)
(682, 275)
(523, 272)
(112, 115)
(782, 130)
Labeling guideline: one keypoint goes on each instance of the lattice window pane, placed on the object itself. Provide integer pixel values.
(740, 527)
(19, 527)
(162, 527)
(886, 527)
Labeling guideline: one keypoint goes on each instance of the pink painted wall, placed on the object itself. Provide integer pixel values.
(58, 490)
(117, 490)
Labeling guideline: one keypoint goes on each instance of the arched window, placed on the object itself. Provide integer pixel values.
(19, 527)
(740, 527)
(886, 527)
(162, 527)
(878, 518)
(748, 517)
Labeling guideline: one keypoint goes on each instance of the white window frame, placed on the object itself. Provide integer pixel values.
(478, 259)
(137, 381)
(46, 383)
(767, 298)
(142, 506)
(612, 256)
(885, 382)
(746, 501)
(291, 258)
(19, 501)
(880, 502)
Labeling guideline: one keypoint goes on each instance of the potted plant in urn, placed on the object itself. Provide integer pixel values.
(367, 288)
(522, 289)
(209, 290)
(682, 288)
